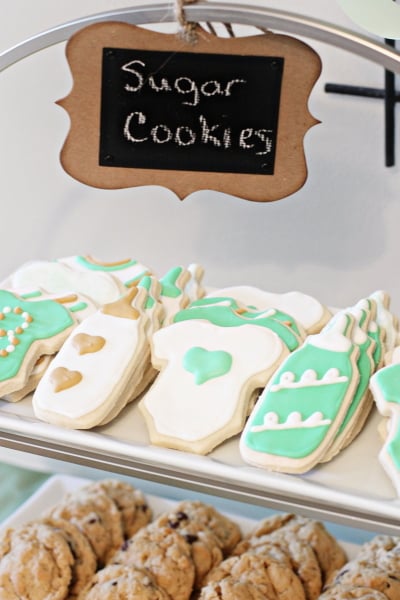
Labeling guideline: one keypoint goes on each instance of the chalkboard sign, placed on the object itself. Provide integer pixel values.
(190, 112)
(227, 114)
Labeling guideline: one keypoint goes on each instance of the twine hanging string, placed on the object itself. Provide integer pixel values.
(187, 29)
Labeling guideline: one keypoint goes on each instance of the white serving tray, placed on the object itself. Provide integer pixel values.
(352, 489)
(53, 490)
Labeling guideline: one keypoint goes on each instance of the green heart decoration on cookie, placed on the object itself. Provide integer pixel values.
(206, 364)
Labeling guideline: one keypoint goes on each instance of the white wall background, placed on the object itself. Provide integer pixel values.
(337, 238)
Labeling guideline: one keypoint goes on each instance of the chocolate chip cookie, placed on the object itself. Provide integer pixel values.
(329, 553)
(205, 548)
(35, 563)
(97, 517)
(275, 578)
(122, 582)
(225, 529)
(166, 554)
(131, 502)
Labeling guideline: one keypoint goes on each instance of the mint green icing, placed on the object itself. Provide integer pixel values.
(145, 283)
(299, 442)
(49, 319)
(35, 294)
(388, 381)
(82, 260)
(215, 301)
(206, 364)
(377, 337)
(135, 280)
(78, 306)
(365, 369)
(225, 316)
(168, 283)
(278, 316)
(250, 313)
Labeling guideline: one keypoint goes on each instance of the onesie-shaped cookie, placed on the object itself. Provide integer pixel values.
(299, 413)
(56, 277)
(211, 362)
(285, 319)
(128, 271)
(27, 331)
(80, 308)
(307, 311)
(96, 371)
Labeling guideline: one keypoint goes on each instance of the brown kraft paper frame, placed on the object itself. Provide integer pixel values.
(80, 153)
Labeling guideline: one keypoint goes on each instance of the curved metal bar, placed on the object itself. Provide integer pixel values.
(219, 12)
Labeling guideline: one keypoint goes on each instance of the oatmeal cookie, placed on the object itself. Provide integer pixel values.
(132, 504)
(275, 578)
(205, 548)
(98, 518)
(122, 582)
(226, 531)
(346, 592)
(329, 553)
(356, 574)
(84, 559)
(166, 554)
(35, 563)
(301, 556)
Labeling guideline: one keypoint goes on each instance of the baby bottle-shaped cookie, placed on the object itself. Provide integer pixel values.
(300, 411)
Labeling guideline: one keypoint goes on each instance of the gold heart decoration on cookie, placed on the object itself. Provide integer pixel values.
(86, 344)
(62, 378)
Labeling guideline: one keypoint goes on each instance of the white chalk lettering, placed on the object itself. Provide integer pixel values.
(192, 89)
(191, 136)
(137, 129)
(183, 85)
(127, 128)
(163, 87)
(139, 77)
(156, 131)
(264, 136)
(245, 134)
(206, 132)
(230, 84)
(210, 88)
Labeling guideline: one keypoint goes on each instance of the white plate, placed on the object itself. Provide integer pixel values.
(53, 490)
(350, 488)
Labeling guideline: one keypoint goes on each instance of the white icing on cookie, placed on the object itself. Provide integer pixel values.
(127, 271)
(309, 378)
(293, 421)
(185, 411)
(56, 277)
(103, 372)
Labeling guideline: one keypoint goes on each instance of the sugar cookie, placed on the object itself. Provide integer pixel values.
(128, 271)
(288, 429)
(208, 357)
(57, 277)
(96, 371)
(308, 311)
(28, 330)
